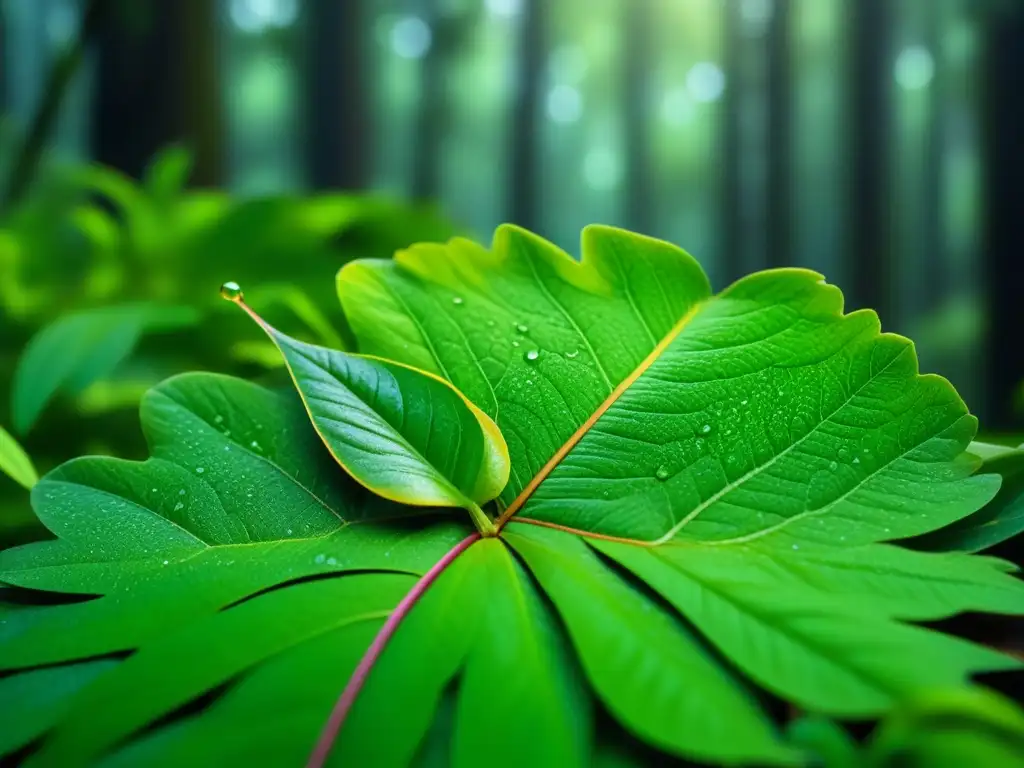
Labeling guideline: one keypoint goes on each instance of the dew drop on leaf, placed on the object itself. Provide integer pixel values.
(515, 343)
(573, 355)
(199, 470)
(255, 446)
(796, 546)
(179, 506)
(218, 419)
(521, 328)
(706, 429)
(844, 453)
(856, 459)
(231, 291)
(531, 356)
(833, 466)
(457, 301)
(662, 473)
(332, 561)
(181, 492)
(319, 559)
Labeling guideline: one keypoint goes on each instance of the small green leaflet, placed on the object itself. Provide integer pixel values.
(999, 520)
(652, 581)
(14, 462)
(407, 435)
(81, 348)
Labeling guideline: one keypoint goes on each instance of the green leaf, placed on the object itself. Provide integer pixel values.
(81, 348)
(644, 408)
(31, 703)
(14, 462)
(408, 436)
(167, 173)
(831, 746)
(950, 728)
(694, 528)
(1000, 519)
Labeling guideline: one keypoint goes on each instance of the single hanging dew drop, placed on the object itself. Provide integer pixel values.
(531, 356)
(522, 328)
(661, 472)
(573, 355)
(706, 429)
(231, 291)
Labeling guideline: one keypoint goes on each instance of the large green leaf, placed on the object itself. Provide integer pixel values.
(407, 435)
(81, 348)
(694, 526)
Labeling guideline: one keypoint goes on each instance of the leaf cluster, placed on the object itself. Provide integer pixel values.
(553, 512)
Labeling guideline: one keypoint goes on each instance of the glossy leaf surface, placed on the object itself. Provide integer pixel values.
(407, 435)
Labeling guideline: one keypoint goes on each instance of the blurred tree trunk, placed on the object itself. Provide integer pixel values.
(156, 84)
(779, 214)
(870, 110)
(338, 113)
(729, 142)
(1004, 224)
(639, 44)
(525, 125)
(450, 32)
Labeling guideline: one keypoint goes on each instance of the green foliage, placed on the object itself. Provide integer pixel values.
(695, 526)
(999, 520)
(14, 462)
(81, 348)
(120, 277)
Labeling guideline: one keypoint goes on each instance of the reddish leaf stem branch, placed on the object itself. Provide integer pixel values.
(355, 683)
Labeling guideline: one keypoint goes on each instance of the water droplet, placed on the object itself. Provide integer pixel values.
(218, 419)
(782, 392)
(515, 343)
(490, 323)
(288, 532)
(662, 473)
(181, 492)
(832, 466)
(573, 355)
(743, 402)
(604, 494)
(844, 453)
(231, 291)
(520, 328)
(179, 506)
(457, 301)
(153, 490)
(796, 546)
(706, 429)
(700, 443)
(319, 559)
(166, 562)
(199, 470)
(332, 561)
(255, 446)
(856, 459)
(842, 538)
(866, 450)
(529, 382)
(531, 356)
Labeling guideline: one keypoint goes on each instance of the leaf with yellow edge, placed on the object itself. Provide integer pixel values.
(405, 434)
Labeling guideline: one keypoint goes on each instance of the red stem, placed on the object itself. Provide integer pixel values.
(355, 683)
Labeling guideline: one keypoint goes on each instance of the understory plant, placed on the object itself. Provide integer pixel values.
(553, 513)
